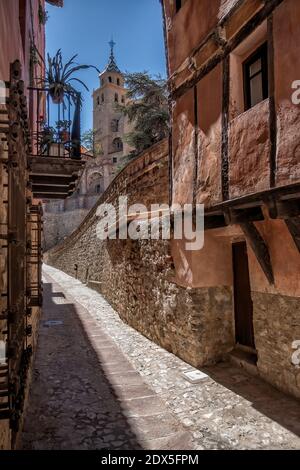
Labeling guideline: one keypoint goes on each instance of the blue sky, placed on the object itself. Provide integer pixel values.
(86, 27)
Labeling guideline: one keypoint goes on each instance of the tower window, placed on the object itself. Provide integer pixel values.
(118, 81)
(110, 79)
(102, 97)
(116, 98)
(117, 145)
(98, 100)
(115, 160)
(123, 99)
(178, 5)
(256, 77)
(115, 125)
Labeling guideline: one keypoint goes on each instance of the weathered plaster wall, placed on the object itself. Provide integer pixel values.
(209, 92)
(183, 135)
(249, 151)
(12, 47)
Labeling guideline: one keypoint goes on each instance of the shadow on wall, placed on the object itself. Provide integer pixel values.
(73, 403)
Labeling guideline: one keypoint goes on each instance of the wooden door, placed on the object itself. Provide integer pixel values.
(243, 308)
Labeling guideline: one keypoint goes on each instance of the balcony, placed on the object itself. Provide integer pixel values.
(55, 161)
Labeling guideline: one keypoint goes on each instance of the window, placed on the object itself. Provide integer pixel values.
(98, 100)
(118, 81)
(98, 188)
(116, 98)
(115, 125)
(256, 77)
(117, 145)
(22, 22)
(115, 160)
(123, 99)
(110, 79)
(102, 97)
(178, 5)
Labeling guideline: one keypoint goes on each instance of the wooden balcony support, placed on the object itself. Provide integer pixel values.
(53, 177)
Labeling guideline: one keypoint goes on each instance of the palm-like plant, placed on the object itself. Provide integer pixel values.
(58, 77)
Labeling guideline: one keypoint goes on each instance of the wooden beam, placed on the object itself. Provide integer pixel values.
(50, 180)
(214, 221)
(293, 225)
(240, 216)
(54, 166)
(225, 129)
(259, 248)
(50, 196)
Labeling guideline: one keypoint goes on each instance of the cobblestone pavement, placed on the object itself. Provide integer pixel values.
(98, 383)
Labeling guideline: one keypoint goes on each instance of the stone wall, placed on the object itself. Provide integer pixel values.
(138, 277)
(61, 225)
(183, 300)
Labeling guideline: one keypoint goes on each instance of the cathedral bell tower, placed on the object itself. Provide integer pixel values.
(110, 126)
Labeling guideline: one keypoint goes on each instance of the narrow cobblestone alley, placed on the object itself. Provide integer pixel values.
(100, 384)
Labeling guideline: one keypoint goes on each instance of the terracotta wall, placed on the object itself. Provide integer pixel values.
(189, 27)
(15, 46)
(12, 46)
(249, 151)
(184, 155)
(209, 103)
(287, 70)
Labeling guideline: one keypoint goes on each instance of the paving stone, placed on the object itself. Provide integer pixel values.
(71, 384)
(127, 392)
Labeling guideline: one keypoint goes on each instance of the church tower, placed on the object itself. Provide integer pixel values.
(110, 126)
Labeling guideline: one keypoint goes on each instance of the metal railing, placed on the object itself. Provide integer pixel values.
(56, 126)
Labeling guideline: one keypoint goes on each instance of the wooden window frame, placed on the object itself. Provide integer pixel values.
(178, 5)
(260, 53)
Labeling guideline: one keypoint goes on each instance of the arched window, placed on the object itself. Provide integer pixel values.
(118, 81)
(116, 98)
(102, 97)
(95, 183)
(98, 100)
(123, 99)
(115, 125)
(110, 79)
(117, 145)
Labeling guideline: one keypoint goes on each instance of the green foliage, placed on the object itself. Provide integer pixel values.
(63, 124)
(147, 108)
(43, 15)
(87, 139)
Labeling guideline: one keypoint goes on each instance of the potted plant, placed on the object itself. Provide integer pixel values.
(63, 127)
(58, 77)
(46, 137)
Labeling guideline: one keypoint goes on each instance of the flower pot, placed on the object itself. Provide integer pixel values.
(64, 136)
(57, 94)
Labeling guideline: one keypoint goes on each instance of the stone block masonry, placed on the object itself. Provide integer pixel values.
(182, 301)
(137, 277)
